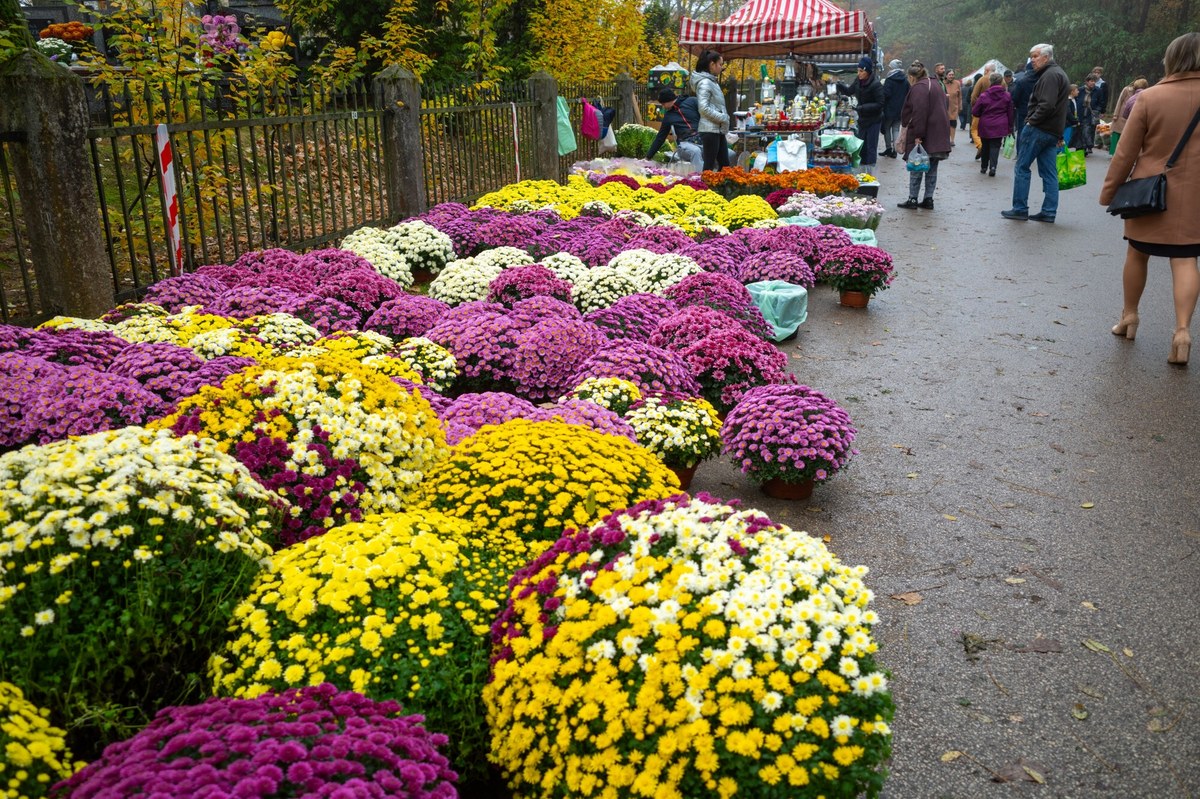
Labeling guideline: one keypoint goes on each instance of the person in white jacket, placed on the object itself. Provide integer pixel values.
(714, 121)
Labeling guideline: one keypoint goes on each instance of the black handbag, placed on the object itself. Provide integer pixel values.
(1143, 196)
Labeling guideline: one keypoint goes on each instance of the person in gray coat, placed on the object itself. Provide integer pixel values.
(895, 90)
(714, 121)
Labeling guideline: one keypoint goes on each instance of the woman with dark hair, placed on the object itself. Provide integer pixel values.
(714, 121)
(1156, 125)
(925, 123)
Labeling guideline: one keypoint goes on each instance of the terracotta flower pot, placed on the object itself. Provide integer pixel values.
(421, 276)
(855, 299)
(779, 489)
(685, 475)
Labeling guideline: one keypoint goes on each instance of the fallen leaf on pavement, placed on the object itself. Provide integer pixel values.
(953, 754)
(1088, 505)
(1038, 413)
(1096, 646)
(908, 597)
(1014, 580)
(1058, 448)
(1034, 775)
(1079, 711)
(1128, 652)
(1020, 770)
(1041, 645)
(1090, 690)
(949, 518)
(1159, 724)
(1088, 605)
(912, 475)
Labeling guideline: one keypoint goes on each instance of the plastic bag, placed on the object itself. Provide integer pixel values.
(566, 136)
(760, 162)
(784, 305)
(793, 155)
(773, 152)
(590, 125)
(1072, 169)
(1008, 148)
(608, 142)
(918, 160)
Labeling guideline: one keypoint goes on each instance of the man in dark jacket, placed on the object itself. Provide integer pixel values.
(895, 89)
(868, 91)
(1041, 137)
(681, 117)
(1021, 89)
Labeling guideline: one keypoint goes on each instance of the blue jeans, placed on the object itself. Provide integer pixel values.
(1036, 145)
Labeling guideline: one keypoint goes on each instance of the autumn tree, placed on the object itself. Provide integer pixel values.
(587, 39)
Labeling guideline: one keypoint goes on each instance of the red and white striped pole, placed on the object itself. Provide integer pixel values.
(166, 171)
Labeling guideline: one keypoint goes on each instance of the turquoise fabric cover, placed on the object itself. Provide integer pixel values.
(783, 304)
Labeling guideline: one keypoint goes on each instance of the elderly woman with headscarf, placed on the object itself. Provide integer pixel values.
(925, 123)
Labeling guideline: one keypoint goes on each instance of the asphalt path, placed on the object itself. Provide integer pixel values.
(1026, 497)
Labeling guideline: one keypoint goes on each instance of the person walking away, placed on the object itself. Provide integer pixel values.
(1101, 91)
(954, 92)
(868, 94)
(1041, 136)
(925, 123)
(710, 100)
(1154, 129)
(995, 111)
(895, 89)
(1021, 89)
(981, 83)
(681, 117)
(1119, 115)
(1086, 108)
(1072, 123)
(964, 114)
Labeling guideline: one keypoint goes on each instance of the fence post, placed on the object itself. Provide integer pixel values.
(44, 105)
(544, 90)
(399, 95)
(627, 107)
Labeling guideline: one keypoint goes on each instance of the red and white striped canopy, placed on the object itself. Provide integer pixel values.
(764, 28)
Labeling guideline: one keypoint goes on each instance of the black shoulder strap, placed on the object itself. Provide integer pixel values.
(1187, 134)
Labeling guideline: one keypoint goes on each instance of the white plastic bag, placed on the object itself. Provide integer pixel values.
(760, 162)
(793, 155)
(609, 142)
(918, 160)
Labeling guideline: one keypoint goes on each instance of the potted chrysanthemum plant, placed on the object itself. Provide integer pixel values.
(857, 272)
(681, 431)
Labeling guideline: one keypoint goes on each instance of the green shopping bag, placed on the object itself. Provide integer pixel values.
(1008, 148)
(1072, 169)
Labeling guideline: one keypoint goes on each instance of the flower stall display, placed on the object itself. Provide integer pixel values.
(397, 607)
(538, 479)
(858, 269)
(787, 266)
(373, 245)
(313, 741)
(228, 341)
(242, 302)
(735, 181)
(108, 541)
(681, 431)
(33, 754)
(355, 344)
(281, 331)
(522, 282)
(419, 247)
(781, 435)
(613, 393)
(334, 437)
(632, 317)
(161, 368)
(467, 413)
(728, 363)
(565, 266)
(848, 212)
(539, 308)
(687, 648)
(744, 211)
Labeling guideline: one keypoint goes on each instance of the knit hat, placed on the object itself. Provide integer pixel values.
(666, 96)
(895, 63)
(866, 63)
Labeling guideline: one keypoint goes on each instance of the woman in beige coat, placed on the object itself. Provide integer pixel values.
(1159, 118)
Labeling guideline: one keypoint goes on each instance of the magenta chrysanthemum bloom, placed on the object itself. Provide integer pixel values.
(269, 259)
(129, 310)
(78, 400)
(483, 343)
(363, 289)
(561, 237)
(548, 355)
(829, 237)
(587, 414)
(20, 377)
(510, 230)
(175, 293)
(624, 180)
(858, 267)
(326, 314)
(790, 432)
(660, 239)
(778, 266)
(314, 741)
(651, 369)
(469, 412)
(94, 348)
(723, 254)
(802, 241)
(539, 308)
(523, 282)
(728, 363)
(688, 325)
(632, 317)
(161, 368)
(722, 293)
(329, 263)
(246, 301)
(779, 197)
(406, 316)
(213, 373)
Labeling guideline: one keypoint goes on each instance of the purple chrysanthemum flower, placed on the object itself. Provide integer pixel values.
(588, 414)
(20, 377)
(246, 301)
(469, 412)
(483, 343)
(363, 289)
(722, 293)
(539, 308)
(548, 355)
(651, 369)
(130, 310)
(175, 293)
(326, 314)
(94, 348)
(314, 741)
(78, 400)
(161, 368)
(510, 230)
(406, 316)
(213, 373)
(660, 239)
(778, 266)
(723, 255)
(688, 325)
(728, 363)
(14, 338)
(523, 282)
(561, 237)
(632, 317)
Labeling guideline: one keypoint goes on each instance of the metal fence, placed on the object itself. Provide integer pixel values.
(290, 166)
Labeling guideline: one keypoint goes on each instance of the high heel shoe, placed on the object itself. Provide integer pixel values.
(1181, 346)
(1127, 327)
